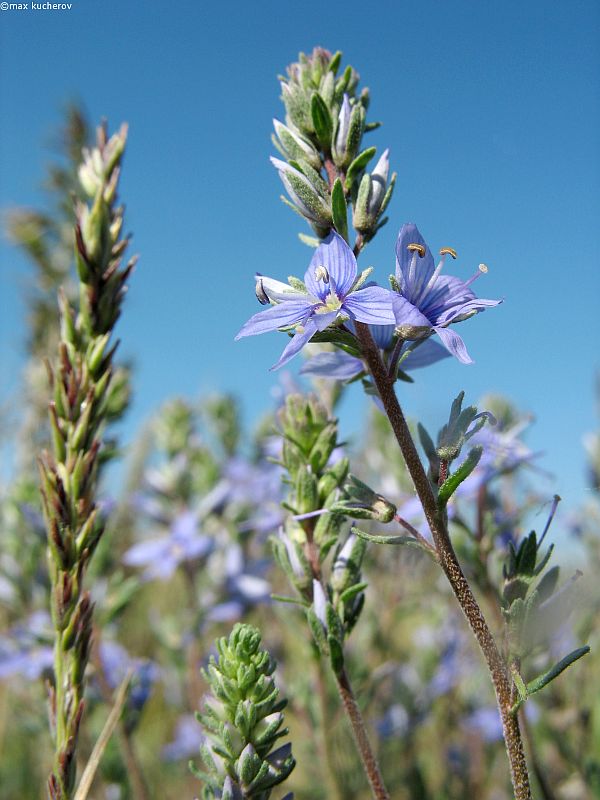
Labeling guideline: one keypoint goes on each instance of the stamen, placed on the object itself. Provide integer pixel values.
(423, 290)
(321, 274)
(417, 247)
(481, 270)
(261, 295)
(448, 250)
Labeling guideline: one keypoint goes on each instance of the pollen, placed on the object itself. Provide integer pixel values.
(419, 248)
(483, 268)
(321, 274)
(448, 251)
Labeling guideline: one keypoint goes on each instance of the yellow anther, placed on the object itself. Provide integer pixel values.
(448, 250)
(483, 268)
(417, 248)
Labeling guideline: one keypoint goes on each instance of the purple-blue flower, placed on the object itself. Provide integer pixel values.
(162, 555)
(116, 663)
(26, 649)
(429, 302)
(188, 738)
(328, 297)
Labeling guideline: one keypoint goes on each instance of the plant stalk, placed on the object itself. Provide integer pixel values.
(360, 736)
(449, 562)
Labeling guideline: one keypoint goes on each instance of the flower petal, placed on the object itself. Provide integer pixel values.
(422, 267)
(147, 552)
(277, 290)
(296, 344)
(279, 316)
(454, 344)
(429, 352)
(383, 334)
(372, 304)
(337, 366)
(475, 305)
(339, 261)
(407, 314)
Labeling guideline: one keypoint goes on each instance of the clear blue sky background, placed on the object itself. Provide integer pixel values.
(490, 110)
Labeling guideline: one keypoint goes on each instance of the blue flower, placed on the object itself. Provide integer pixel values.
(328, 297)
(163, 554)
(187, 740)
(427, 301)
(26, 650)
(341, 366)
(116, 663)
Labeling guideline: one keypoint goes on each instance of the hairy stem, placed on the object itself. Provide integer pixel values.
(360, 736)
(331, 779)
(449, 562)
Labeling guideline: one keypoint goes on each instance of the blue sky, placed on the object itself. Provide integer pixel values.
(492, 115)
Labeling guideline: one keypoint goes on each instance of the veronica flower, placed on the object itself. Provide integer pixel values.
(26, 649)
(162, 555)
(328, 297)
(116, 663)
(341, 366)
(427, 301)
(188, 738)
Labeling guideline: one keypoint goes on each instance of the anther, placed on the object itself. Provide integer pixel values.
(261, 295)
(419, 248)
(321, 274)
(448, 250)
(481, 270)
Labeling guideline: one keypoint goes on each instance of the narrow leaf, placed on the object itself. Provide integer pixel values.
(339, 209)
(451, 484)
(321, 119)
(93, 763)
(359, 163)
(554, 672)
(407, 541)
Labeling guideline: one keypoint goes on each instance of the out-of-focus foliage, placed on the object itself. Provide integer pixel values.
(187, 554)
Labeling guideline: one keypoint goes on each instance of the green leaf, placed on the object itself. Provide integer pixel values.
(318, 631)
(352, 591)
(527, 555)
(547, 585)
(359, 163)
(452, 482)
(336, 655)
(337, 336)
(322, 122)
(407, 541)
(427, 444)
(554, 672)
(339, 209)
(311, 241)
(334, 64)
(281, 598)
(544, 560)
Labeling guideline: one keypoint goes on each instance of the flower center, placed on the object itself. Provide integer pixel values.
(332, 303)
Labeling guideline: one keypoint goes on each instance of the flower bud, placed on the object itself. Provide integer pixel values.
(305, 198)
(364, 503)
(294, 146)
(373, 196)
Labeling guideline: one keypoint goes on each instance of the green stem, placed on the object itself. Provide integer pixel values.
(450, 564)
